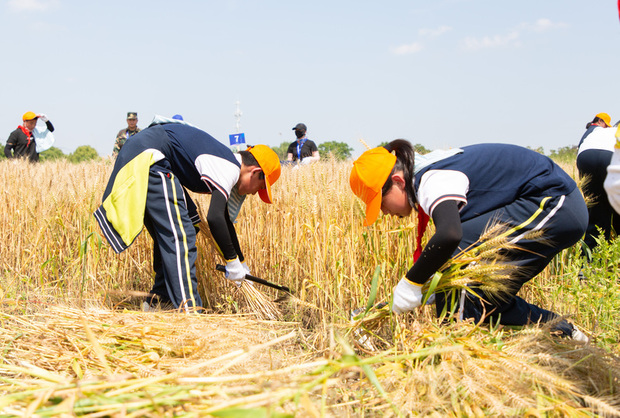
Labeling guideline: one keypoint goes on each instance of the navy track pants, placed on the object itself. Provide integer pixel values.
(169, 219)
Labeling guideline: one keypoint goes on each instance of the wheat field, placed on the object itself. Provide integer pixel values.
(75, 342)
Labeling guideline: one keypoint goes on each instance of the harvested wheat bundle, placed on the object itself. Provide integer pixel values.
(255, 300)
(484, 265)
(258, 303)
(371, 331)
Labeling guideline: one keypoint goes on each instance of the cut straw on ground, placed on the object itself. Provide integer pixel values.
(75, 343)
(173, 363)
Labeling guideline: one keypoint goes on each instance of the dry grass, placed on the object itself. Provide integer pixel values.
(96, 362)
(74, 342)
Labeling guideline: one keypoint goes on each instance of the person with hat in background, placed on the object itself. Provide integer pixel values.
(148, 185)
(594, 154)
(302, 150)
(124, 134)
(464, 190)
(21, 142)
(601, 119)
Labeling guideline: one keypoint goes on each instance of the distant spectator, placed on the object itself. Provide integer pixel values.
(302, 150)
(124, 134)
(601, 119)
(177, 117)
(593, 156)
(21, 142)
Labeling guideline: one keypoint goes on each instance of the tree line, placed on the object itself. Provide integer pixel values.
(338, 150)
(81, 154)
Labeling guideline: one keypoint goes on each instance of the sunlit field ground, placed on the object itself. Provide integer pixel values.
(74, 340)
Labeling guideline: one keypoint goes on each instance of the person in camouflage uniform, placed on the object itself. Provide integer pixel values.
(126, 133)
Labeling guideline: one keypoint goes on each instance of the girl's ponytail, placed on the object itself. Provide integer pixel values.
(405, 158)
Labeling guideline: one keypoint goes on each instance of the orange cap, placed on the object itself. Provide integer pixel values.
(29, 116)
(270, 163)
(370, 172)
(606, 118)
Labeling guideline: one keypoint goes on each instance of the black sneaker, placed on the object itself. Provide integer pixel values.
(154, 303)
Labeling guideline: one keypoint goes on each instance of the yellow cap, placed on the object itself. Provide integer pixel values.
(370, 172)
(270, 163)
(29, 116)
(605, 117)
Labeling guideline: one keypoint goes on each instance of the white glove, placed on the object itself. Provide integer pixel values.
(247, 271)
(43, 117)
(407, 296)
(235, 271)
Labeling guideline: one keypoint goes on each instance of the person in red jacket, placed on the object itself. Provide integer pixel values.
(21, 142)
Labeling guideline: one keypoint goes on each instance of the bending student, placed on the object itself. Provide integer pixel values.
(593, 157)
(147, 188)
(463, 190)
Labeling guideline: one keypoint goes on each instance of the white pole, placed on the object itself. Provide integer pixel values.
(238, 115)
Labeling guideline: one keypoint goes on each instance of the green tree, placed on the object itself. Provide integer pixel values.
(281, 150)
(52, 154)
(340, 150)
(419, 148)
(565, 154)
(83, 153)
(539, 150)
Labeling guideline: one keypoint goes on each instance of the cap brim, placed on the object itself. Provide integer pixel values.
(372, 210)
(265, 194)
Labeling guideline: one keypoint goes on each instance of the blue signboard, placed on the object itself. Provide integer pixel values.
(237, 139)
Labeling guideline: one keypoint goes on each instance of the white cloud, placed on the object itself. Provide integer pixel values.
(511, 39)
(497, 41)
(433, 33)
(543, 24)
(32, 5)
(407, 49)
(415, 47)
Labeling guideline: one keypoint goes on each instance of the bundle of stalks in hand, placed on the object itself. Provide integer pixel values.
(368, 325)
(483, 265)
(254, 299)
(369, 329)
(258, 303)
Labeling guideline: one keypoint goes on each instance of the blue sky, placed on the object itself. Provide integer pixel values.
(443, 73)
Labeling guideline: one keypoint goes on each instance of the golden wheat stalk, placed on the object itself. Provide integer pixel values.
(258, 303)
(484, 264)
(254, 299)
